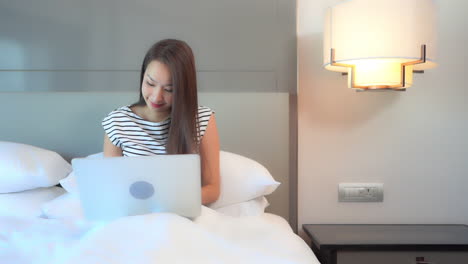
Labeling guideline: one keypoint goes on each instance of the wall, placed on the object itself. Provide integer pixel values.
(415, 142)
(54, 45)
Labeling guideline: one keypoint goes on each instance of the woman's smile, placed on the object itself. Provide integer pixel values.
(156, 105)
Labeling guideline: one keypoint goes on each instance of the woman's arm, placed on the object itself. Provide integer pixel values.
(209, 154)
(110, 150)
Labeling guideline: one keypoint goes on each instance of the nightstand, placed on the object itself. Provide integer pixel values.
(389, 244)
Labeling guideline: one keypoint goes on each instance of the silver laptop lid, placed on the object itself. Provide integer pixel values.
(120, 186)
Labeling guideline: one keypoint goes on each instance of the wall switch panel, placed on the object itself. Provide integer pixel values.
(360, 192)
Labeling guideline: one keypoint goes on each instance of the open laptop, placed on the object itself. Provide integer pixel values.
(110, 188)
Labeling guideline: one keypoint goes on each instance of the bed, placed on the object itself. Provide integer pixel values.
(68, 67)
(41, 222)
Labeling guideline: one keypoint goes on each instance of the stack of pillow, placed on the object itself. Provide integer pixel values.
(244, 184)
(28, 176)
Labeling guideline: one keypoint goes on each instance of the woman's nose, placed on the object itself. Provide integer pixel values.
(158, 94)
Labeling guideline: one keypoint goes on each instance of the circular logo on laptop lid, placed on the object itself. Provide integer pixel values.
(141, 190)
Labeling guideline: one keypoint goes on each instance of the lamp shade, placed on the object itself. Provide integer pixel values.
(380, 42)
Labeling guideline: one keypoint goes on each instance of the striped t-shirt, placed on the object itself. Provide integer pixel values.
(139, 137)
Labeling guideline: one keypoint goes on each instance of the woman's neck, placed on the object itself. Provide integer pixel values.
(149, 115)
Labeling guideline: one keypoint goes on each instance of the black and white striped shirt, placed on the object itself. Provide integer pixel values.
(138, 137)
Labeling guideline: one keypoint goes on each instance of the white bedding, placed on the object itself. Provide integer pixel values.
(27, 203)
(153, 238)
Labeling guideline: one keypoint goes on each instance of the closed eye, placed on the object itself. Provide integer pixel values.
(150, 84)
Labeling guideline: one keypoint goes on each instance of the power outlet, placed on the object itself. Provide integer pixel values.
(360, 192)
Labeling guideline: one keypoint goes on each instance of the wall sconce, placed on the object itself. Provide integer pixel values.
(380, 43)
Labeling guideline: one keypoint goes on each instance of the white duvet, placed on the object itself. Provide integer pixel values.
(153, 238)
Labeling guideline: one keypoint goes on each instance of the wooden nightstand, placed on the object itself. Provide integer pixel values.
(392, 244)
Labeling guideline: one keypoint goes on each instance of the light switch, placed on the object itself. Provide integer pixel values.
(360, 192)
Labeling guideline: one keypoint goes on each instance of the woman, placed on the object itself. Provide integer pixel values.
(167, 118)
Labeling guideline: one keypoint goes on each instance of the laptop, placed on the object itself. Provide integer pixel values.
(114, 187)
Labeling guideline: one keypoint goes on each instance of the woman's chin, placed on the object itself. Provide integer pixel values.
(159, 109)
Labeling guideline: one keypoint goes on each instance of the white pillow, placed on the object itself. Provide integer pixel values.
(27, 203)
(25, 167)
(69, 183)
(67, 206)
(242, 179)
(254, 207)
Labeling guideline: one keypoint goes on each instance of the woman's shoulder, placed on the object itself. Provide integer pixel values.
(204, 113)
(204, 110)
(121, 112)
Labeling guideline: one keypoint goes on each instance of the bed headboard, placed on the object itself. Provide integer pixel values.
(251, 124)
(71, 64)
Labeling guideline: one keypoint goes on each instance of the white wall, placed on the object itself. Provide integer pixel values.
(415, 142)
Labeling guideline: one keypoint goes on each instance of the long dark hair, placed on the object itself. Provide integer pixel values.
(178, 57)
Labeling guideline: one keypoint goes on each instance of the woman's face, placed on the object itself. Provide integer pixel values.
(157, 87)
